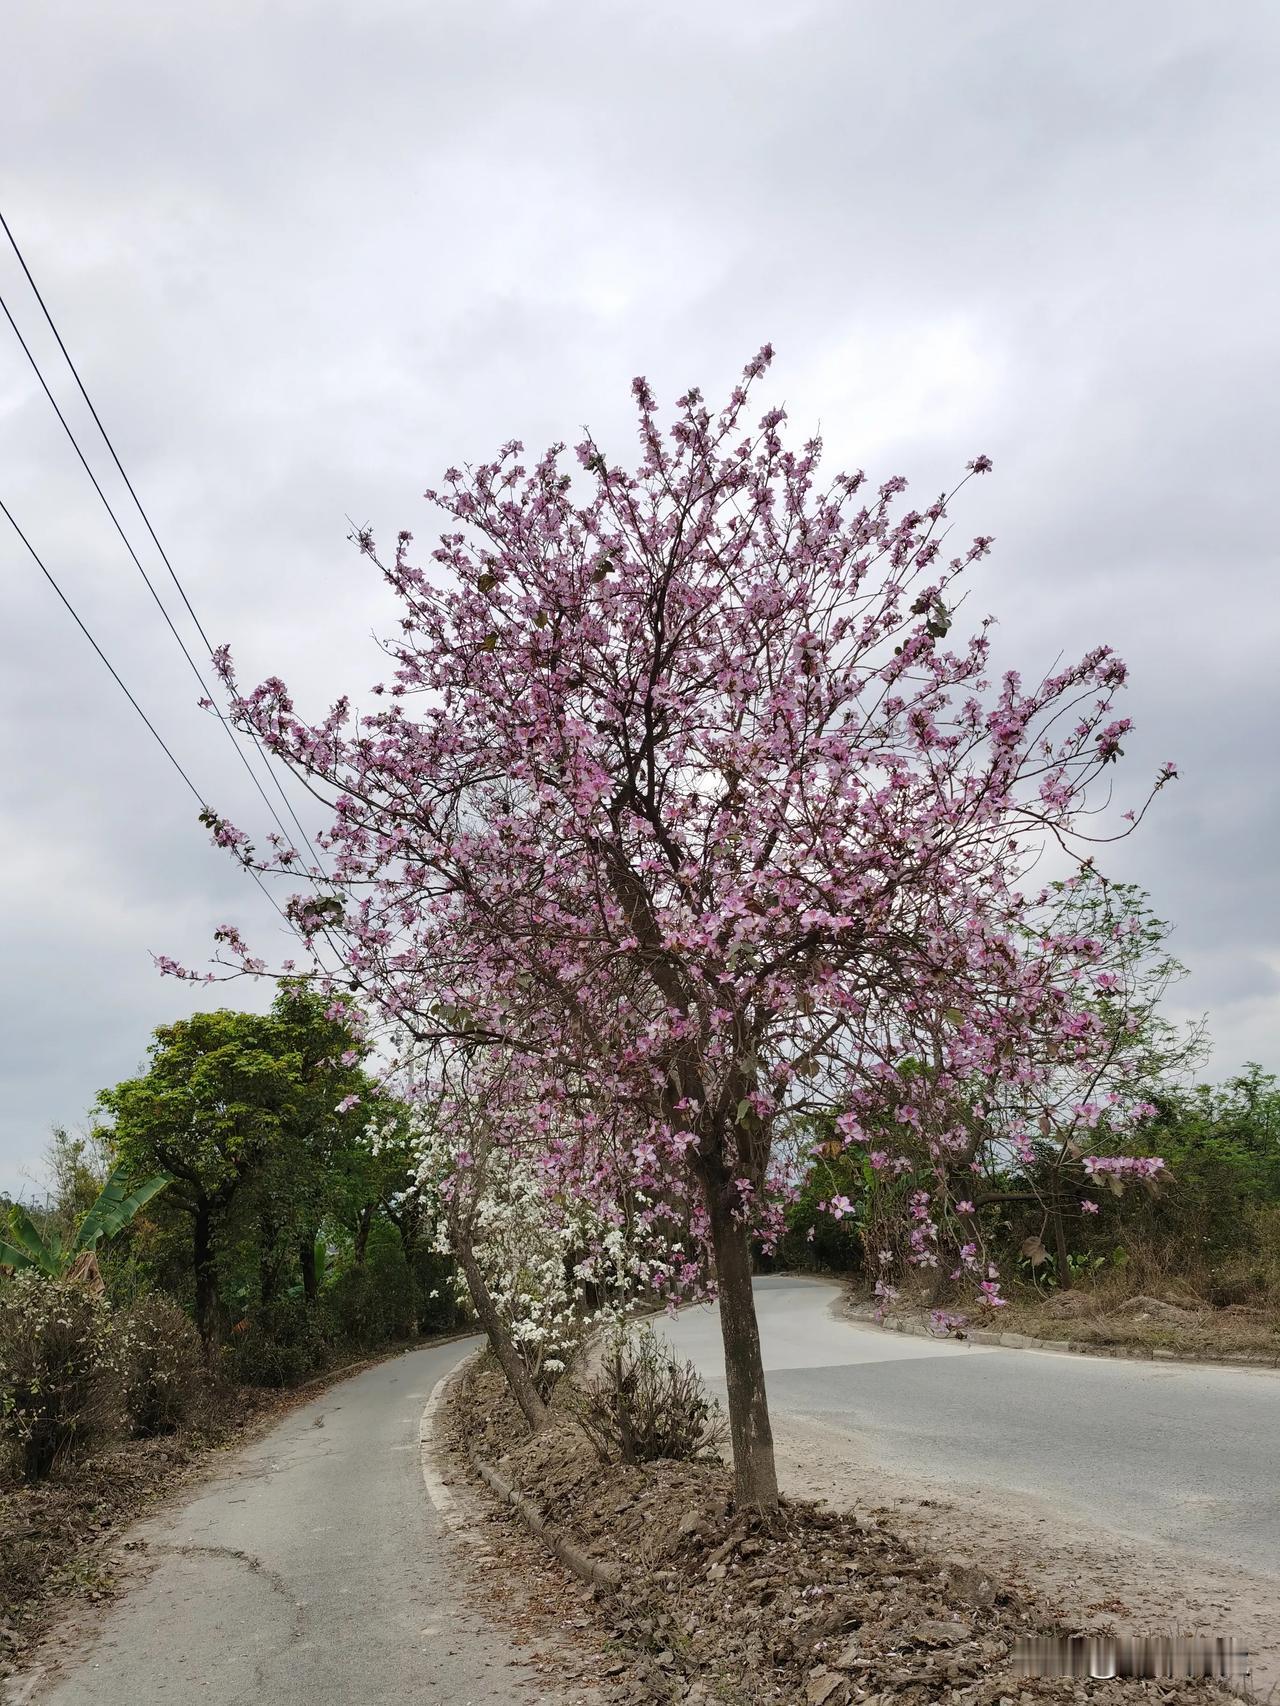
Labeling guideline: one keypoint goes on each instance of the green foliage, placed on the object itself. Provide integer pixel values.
(290, 1230)
(814, 1237)
(278, 1344)
(374, 1301)
(117, 1203)
(60, 1379)
(241, 1110)
(370, 1307)
(440, 1303)
(162, 1366)
(111, 1211)
(1210, 1222)
(1222, 1145)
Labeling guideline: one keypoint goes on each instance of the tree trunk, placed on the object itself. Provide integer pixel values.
(307, 1262)
(755, 1475)
(1060, 1252)
(208, 1310)
(523, 1390)
(363, 1224)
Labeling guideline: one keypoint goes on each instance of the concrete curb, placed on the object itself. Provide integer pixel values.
(1075, 1347)
(592, 1570)
(437, 1490)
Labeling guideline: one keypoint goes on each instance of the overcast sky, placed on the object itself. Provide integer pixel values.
(306, 255)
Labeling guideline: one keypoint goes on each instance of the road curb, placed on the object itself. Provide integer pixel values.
(1073, 1347)
(438, 1490)
(592, 1570)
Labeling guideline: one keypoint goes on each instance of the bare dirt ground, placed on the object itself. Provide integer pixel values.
(820, 1605)
(1094, 1583)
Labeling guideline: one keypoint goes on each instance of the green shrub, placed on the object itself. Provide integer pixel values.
(278, 1344)
(374, 1303)
(162, 1366)
(60, 1386)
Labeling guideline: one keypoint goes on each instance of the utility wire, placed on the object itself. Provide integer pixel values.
(75, 373)
(239, 750)
(13, 243)
(119, 681)
(150, 586)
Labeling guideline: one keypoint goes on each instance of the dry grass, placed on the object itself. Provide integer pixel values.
(1162, 1298)
(1166, 1320)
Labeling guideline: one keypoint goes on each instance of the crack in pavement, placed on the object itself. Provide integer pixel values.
(251, 1562)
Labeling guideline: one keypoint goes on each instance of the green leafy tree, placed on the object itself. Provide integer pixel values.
(244, 1112)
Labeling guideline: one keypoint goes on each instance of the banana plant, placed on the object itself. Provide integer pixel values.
(22, 1245)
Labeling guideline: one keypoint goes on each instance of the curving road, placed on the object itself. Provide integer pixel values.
(312, 1571)
(1182, 1455)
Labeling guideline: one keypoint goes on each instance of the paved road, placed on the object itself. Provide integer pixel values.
(1183, 1455)
(312, 1570)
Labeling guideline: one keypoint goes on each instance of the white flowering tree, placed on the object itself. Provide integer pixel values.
(542, 1258)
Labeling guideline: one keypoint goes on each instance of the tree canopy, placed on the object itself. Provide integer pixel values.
(685, 798)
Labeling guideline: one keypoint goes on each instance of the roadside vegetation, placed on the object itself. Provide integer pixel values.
(240, 1218)
(1191, 1263)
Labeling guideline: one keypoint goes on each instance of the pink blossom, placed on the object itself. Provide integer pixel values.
(692, 806)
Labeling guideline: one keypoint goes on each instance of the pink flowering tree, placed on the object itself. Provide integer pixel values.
(946, 1158)
(683, 788)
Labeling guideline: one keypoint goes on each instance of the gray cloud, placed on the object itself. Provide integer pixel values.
(309, 254)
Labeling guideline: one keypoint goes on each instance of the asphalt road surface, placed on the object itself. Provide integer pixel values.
(1187, 1456)
(313, 1570)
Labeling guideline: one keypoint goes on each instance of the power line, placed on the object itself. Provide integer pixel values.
(13, 243)
(156, 735)
(128, 545)
(4, 224)
(155, 540)
(151, 728)
(119, 681)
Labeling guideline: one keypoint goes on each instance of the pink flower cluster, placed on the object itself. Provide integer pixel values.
(1123, 1166)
